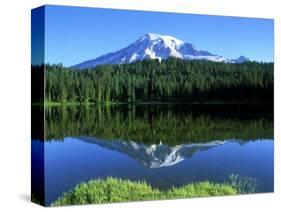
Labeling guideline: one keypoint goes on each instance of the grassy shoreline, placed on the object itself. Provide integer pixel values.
(112, 190)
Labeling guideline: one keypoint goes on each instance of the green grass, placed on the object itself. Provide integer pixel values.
(117, 190)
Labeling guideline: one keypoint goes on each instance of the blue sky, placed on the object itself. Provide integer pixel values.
(76, 34)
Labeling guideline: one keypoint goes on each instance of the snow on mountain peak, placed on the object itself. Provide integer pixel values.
(156, 46)
(167, 39)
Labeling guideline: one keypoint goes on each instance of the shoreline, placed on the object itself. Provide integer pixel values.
(50, 104)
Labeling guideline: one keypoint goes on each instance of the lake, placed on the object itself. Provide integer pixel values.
(165, 145)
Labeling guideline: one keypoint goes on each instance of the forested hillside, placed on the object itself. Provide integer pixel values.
(172, 80)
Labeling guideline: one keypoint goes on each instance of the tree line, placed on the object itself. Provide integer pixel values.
(172, 80)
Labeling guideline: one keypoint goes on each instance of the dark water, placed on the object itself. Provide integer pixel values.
(165, 145)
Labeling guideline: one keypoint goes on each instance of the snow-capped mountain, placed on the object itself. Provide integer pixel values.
(155, 155)
(156, 46)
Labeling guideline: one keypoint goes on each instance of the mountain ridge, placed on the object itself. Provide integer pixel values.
(156, 46)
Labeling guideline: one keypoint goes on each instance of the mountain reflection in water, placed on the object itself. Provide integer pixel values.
(154, 155)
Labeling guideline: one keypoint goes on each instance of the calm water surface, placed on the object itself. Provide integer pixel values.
(163, 145)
